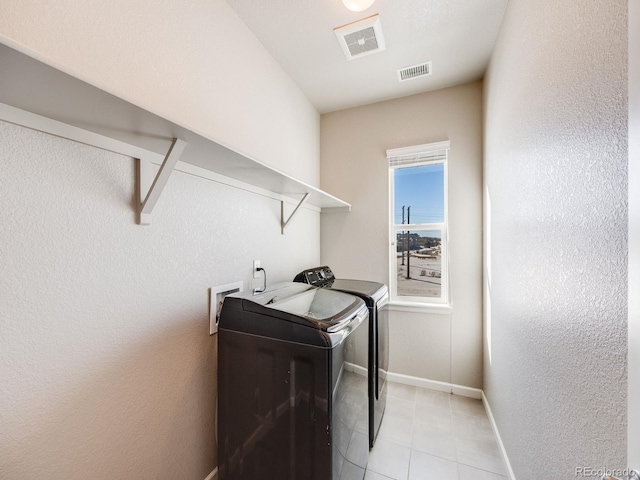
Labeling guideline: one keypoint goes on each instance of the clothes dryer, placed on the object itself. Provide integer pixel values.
(372, 350)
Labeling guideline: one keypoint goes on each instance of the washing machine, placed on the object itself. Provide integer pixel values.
(372, 346)
(288, 409)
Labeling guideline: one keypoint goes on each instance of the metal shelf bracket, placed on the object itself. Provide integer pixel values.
(150, 191)
(283, 222)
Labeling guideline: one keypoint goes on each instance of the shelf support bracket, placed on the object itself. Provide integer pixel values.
(149, 195)
(283, 223)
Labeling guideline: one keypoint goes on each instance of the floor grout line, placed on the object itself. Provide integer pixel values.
(454, 432)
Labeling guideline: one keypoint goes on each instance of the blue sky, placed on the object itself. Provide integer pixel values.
(423, 188)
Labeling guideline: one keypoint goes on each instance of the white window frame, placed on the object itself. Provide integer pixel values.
(418, 155)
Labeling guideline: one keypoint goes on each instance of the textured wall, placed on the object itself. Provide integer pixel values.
(556, 225)
(354, 167)
(633, 447)
(194, 63)
(106, 363)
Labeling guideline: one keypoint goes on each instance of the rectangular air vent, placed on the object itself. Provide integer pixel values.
(414, 71)
(361, 38)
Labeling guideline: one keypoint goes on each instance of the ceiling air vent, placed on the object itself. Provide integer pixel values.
(414, 71)
(361, 38)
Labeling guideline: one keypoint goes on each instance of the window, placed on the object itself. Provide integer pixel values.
(418, 224)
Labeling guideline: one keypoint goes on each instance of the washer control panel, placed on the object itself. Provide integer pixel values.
(318, 277)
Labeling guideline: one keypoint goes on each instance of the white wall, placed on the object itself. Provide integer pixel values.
(194, 63)
(556, 224)
(446, 347)
(633, 411)
(108, 370)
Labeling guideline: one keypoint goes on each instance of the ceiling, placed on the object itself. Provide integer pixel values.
(456, 35)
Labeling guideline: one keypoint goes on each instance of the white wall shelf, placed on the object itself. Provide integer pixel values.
(38, 96)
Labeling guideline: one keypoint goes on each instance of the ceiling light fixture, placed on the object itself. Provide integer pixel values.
(358, 5)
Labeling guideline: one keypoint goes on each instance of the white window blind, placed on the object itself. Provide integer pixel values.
(418, 154)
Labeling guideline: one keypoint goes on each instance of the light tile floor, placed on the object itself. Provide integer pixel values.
(434, 435)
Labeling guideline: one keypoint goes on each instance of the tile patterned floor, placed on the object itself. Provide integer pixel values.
(433, 435)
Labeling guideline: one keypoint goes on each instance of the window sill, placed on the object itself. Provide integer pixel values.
(420, 307)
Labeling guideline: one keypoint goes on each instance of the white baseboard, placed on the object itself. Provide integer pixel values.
(213, 474)
(435, 385)
(507, 463)
(352, 367)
